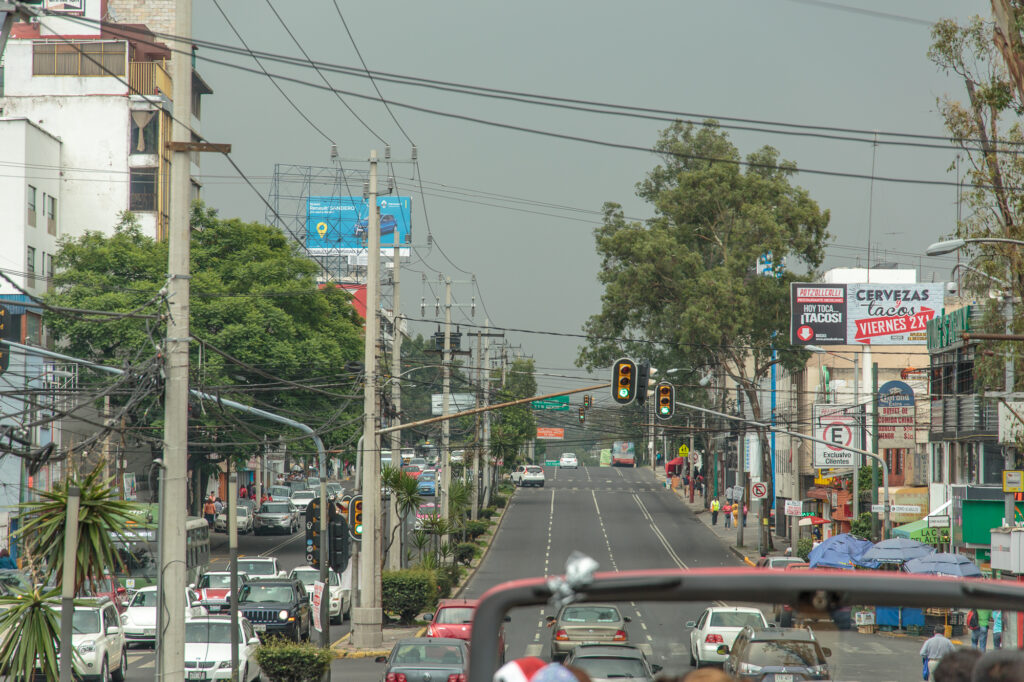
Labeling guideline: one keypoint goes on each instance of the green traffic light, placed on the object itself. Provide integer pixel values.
(623, 392)
(664, 410)
(359, 529)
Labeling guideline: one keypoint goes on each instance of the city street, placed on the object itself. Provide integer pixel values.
(625, 520)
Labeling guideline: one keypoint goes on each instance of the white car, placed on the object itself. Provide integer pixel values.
(340, 599)
(719, 625)
(568, 461)
(208, 649)
(98, 640)
(244, 514)
(260, 567)
(530, 474)
(301, 498)
(139, 620)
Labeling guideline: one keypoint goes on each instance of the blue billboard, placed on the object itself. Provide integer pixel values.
(341, 222)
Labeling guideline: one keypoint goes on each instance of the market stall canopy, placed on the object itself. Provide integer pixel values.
(841, 551)
(812, 521)
(943, 563)
(677, 462)
(897, 551)
(922, 532)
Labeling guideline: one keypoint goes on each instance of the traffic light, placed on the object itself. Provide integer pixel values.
(355, 517)
(313, 533)
(339, 548)
(586, 400)
(643, 373)
(624, 381)
(666, 400)
(583, 415)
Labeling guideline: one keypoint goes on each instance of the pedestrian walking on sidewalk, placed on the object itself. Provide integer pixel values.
(715, 506)
(997, 629)
(728, 514)
(932, 652)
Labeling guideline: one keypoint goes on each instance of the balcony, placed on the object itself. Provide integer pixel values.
(150, 78)
(963, 415)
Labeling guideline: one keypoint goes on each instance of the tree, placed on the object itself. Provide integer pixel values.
(265, 333)
(407, 498)
(680, 288)
(512, 426)
(988, 137)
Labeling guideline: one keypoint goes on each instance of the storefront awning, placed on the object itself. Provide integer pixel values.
(920, 531)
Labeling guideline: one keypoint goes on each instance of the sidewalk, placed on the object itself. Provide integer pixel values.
(749, 551)
(344, 648)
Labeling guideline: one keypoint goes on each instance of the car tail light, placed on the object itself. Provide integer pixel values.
(457, 677)
(562, 636)
(431, 632)
(620, 636)
(714, 639)
(395, 677)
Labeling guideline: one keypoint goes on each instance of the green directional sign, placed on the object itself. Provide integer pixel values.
(559, 403)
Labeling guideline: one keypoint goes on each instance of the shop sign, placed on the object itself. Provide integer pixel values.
(946, 330)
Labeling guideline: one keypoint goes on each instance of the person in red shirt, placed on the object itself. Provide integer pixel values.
(242, 492)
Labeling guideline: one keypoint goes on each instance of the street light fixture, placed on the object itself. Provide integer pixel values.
(951, 245)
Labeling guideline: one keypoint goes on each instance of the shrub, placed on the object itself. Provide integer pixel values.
(803, 547)
(500, 501)
(465, 552)
(475, 529)
(285, 661)
(409, 593)
(506, 487)
(487, 512)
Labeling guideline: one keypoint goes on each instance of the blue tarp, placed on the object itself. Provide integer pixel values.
(841, 551)
(943, 563)
(897, 551)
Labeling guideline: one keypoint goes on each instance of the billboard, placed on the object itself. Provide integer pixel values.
(847, 314)
(839, 425)
(623, 451)
(896, 428)
(457, 402)
(550, 433)
(339, 224)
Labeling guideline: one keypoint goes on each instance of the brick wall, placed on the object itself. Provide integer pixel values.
(158, 15)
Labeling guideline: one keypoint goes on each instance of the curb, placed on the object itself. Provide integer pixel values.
(494, 536)
(366, 654)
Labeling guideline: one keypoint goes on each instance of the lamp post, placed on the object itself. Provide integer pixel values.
(951, 245)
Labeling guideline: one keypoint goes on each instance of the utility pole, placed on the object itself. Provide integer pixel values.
(232, 512)
(366, 618)
(70, 573)
(446, 374)
(487, 416)
(397, 548)
(474, 509)
(170, 623)
(874, 448)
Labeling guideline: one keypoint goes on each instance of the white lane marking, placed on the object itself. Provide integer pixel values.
(536, 636)
(551, 525)
(587, 469)
(604, 532)
(273, 550)
(534, 649)
(642, 624)
(540, 623)
(649, 638)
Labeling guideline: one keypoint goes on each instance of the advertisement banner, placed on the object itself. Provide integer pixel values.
(339, 224)
(891, 314)
(318, 596)
(606, 458)
(457, 402)
(752, 455)
(131, 488)
(839, 425)
(896, 415)
(550, 433)
(793, 508)
(818, 313)
(623, 451)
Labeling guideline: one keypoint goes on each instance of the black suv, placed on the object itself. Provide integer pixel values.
(775, 652)
(277, 607)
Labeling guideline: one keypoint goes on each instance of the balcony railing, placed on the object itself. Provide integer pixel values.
(964, 414)
(142, 201)
(149, 78)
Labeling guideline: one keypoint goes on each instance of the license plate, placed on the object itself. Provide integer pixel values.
(784, 678)
(149, 633)
(213, 608)
(259, 627)
(196, 675)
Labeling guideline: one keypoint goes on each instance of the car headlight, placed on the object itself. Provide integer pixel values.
(86, 647)
(283, 615)
(224, 664)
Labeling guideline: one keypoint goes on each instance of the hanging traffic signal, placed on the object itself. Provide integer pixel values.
(643, 374)
(355, 517)
(586, 400)
(666, 400)
(583, 415)
(624, 381)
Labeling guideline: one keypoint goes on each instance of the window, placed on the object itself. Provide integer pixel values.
(93, 58)
(31, 205)
(30, 266)
(145, 132)
(143, 190)
(33, 329)
(51, 213)
(938, 464)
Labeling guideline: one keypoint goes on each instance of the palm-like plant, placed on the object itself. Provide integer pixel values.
(32, 629)
(403, 489)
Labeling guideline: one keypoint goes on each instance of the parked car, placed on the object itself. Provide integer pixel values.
(586, 623)
(454, 619)
(780, 563)
(277, 607)
(214, 589)
(260, 568)
(139, 620)
(340, 599)
(762, 654)
(720, 625)
(422, 658)
(277, 517)
(607, 662)
(244, 514)
(208, 649)
(98, 640)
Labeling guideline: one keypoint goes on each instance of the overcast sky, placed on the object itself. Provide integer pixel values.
(791, 61)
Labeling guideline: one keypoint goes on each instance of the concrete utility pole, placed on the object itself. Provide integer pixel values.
(232, 512)
(397, 549)
(487, 416)
(67, 598)
(170, 619)
(446, 374)
(474, 509)
(366, 618)
(874, 448)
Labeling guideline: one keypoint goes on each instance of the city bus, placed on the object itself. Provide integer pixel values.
(139, 548)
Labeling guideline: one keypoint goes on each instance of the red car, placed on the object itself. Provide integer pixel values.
(107, 586)
(214, 589)
(454, 619)
(412, 470)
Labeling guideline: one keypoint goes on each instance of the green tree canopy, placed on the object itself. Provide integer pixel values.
(513, 426)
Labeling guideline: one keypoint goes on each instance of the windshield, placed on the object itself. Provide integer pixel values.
(208, 632)
(279, 491)
(303, 495)
(782, 653)
(256, 567)
(533, 470)
(455, 615)
(266, 594)
(590, 614)
(85, 622)
(274, 508)
(737, 619)
(309, 576)
(602, 666)
(411, 654)
(427, 476)
(214, 580)
(144, 599)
